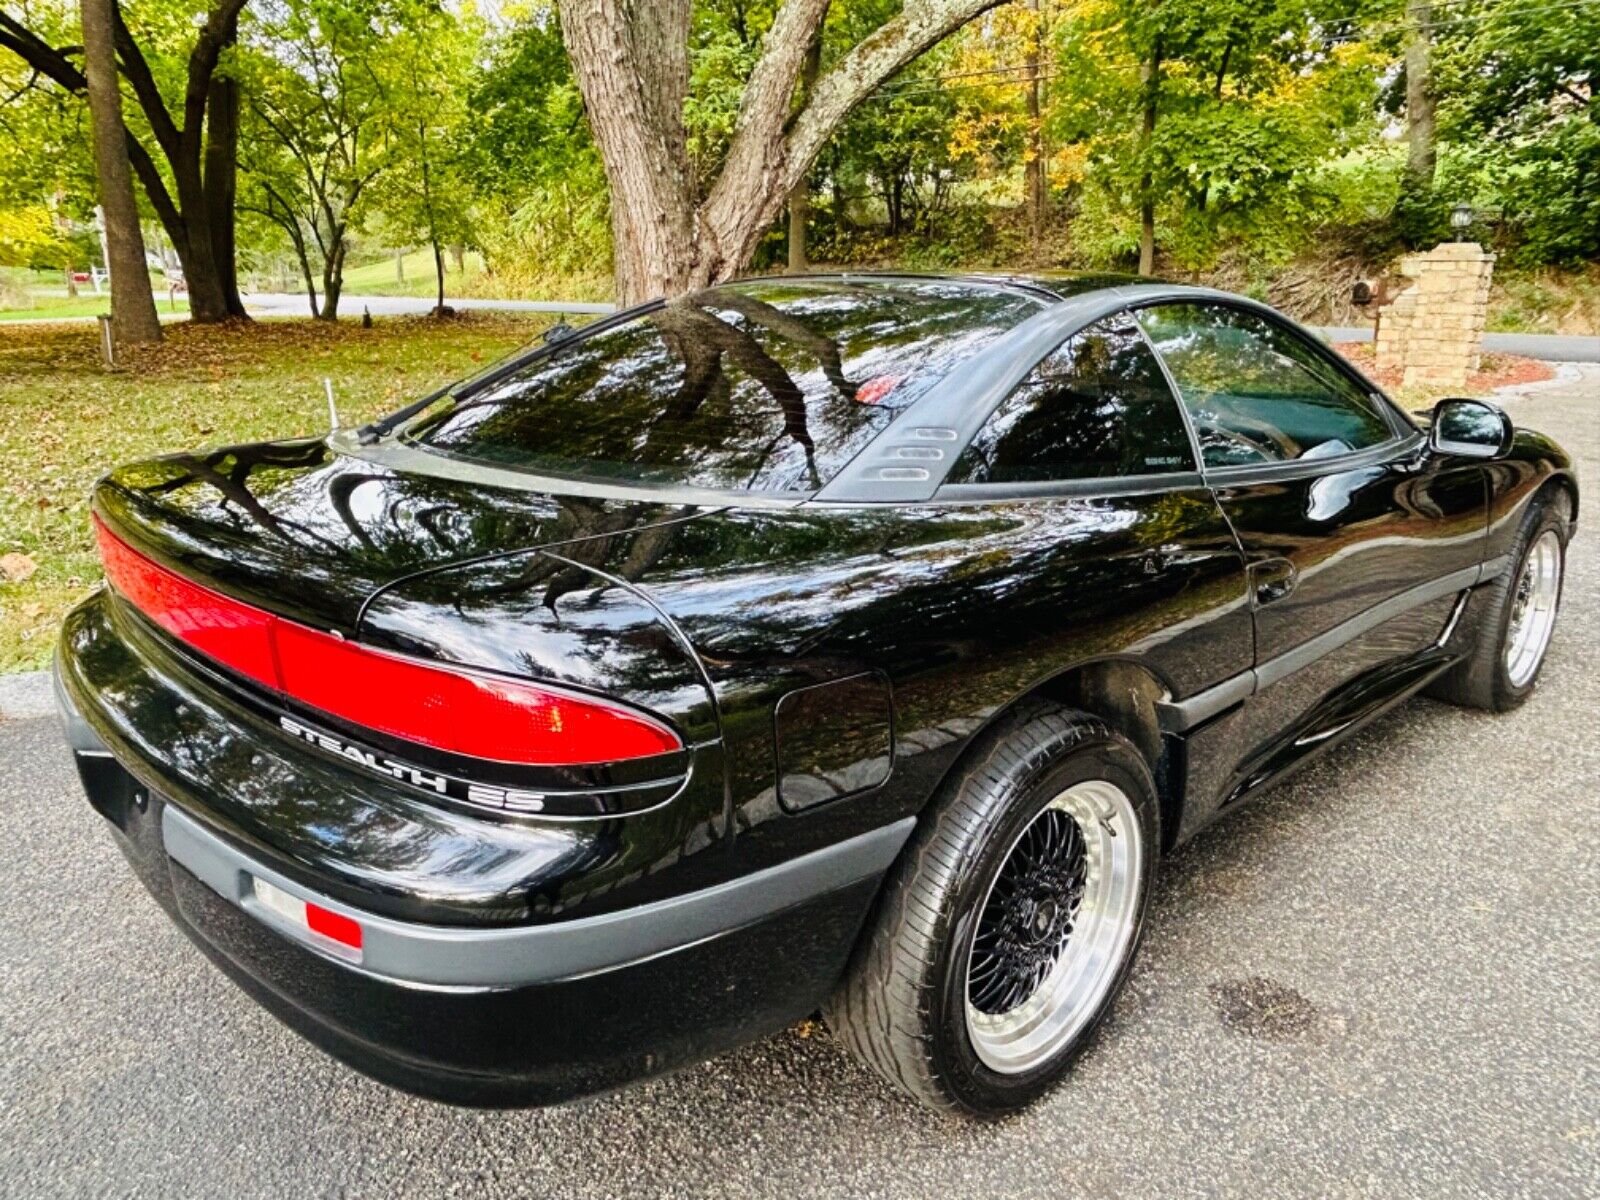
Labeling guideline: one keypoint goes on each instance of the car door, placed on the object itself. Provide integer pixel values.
(1357, 541)
(1124, 552)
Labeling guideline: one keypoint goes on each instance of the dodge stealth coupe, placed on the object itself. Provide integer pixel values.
(848, 643)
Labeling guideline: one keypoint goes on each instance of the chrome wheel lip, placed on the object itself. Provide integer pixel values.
(1535, 596)
(1072, 993)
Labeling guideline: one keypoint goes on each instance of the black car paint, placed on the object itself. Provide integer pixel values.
(727, 618)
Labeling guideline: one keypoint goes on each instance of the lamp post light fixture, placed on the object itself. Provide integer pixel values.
(1461, 216)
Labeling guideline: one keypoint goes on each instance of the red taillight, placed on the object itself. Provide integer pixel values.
(480, 715)
(223, 629)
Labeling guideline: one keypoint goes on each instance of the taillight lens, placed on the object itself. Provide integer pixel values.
(220, 628)
(464, 712)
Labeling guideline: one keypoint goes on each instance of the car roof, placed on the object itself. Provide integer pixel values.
(907, 461)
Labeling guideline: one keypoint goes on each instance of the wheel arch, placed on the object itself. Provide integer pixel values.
(1564, 484)
(1121, 691)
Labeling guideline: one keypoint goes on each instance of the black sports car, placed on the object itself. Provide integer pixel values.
(845, 642)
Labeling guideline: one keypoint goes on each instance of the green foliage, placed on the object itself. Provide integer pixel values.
(526, 128)
(424, 195)
(319, 79)
(898, 149)
(894, 155)
(543, 210)
(725, 46)
(1519, 116)
(1250, 101)
(47, 186)
(29, 238)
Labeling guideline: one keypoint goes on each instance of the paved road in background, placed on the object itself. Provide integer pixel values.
(1547, 346)
(1381, 980)
(1552, 347)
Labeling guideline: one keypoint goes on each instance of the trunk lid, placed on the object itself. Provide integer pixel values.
(299, 530)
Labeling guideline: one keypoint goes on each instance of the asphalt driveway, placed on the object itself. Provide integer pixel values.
(1383, 980)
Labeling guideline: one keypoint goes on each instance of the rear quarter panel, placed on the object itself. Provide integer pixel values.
(962, 608)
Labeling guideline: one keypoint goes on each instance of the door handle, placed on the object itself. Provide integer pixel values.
(1272, 579)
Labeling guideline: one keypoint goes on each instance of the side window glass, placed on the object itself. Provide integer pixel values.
(1097, 407)
(1256, 392)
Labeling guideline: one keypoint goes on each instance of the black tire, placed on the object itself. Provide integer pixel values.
(1481, 679)
(901, 1008)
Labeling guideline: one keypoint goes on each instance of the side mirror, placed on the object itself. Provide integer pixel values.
(1470, 429)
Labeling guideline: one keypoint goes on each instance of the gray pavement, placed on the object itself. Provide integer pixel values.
(1551, 347)
(1382, 980)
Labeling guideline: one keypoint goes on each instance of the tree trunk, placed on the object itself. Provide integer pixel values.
(438, 267)
(841, 219)
(1033, 172)
(1150, 77)
(72, 284)
(333, 278)
(799, 213)
(207, 304)
(632, 65)
(304, 257)
(800, 194)
(133, 306)
(630, 58)
(1419, 97)
(221, 181)
(458, 256)
(399, 266)
(1203, 199)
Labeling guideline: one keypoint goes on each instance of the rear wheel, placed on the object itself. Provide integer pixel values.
(1011, 922)
(1518, 617)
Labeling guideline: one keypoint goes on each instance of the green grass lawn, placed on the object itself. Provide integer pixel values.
(53, 309)
(378, 278)
(64, 421)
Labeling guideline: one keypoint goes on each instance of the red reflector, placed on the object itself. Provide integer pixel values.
(465, 712)
(333, 925)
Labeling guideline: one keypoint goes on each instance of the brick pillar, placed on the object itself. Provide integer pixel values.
(1433, 331)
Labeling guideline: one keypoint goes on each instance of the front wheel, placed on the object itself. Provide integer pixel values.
(1518, 618)
(1012, 920)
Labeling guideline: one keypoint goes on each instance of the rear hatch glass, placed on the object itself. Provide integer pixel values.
(768, 386)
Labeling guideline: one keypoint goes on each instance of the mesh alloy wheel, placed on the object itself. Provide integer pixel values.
(1533, 608)
(1054, 927)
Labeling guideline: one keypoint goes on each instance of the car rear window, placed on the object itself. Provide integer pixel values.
(769, 386)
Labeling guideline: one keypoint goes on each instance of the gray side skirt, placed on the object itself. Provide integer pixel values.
(448, 957)
(1176, 716)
